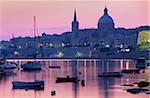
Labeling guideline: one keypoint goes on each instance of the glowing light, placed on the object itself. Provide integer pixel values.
(121, 45)
(121, 64)
(90, 54)
(107, 46)
(51, 45)
(127, 65)
(62, 44)
(60, 54)
(16, 53)
(79, 54)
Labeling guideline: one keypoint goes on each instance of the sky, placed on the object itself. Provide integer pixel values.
(55, 16)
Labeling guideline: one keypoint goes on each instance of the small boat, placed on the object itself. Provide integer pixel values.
(130, 71)
(111, 74)
(54, 66)
(8, 65)
(34, 65)
(36, 85)
(136, 90)
(143, 84)
(141, 63)
(66, 79)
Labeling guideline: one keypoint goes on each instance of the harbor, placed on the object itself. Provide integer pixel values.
(74, 49)
(84, 69)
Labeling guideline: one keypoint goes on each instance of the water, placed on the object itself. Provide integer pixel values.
(95, 87)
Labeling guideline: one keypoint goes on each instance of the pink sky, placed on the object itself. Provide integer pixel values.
(55, 16)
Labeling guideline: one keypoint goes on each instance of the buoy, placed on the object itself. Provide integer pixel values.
(53, 93)
(83, 83)
(79, 73)
(26, 89)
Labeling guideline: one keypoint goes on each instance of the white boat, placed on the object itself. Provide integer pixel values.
(37, 85)
(7, 65)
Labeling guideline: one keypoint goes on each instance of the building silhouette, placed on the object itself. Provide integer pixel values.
(79, 42)
(106, 35)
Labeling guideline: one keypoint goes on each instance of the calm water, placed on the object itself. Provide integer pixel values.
(95, 87)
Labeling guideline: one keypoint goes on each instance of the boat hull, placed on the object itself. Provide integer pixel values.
(37, 85)
(54, 66)
(111, 74)
(31, 66)
(61, 79)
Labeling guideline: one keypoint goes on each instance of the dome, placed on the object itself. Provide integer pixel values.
(105, 19)
(105, 22)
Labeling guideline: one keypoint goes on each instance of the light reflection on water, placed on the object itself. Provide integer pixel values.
(95, 87)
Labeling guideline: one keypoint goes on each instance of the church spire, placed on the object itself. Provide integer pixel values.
(75, 24)
(75, 16)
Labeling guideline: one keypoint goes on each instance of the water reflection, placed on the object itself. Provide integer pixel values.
(86, 70)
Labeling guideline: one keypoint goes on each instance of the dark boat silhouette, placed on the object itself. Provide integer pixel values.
(128, 71)
(54, 66)
(36, 85)
(111, 74)
(141, 63)
(66, 79)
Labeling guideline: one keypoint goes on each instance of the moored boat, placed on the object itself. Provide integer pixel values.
(66, 79)
(111, 74)
(37, 85)
(141, 63)
(7, 65)
(130, 71)
(33, 65)
(54, 66)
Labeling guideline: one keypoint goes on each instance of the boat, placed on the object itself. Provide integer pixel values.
(111, 74)
(136, 90)
(33, 65)
(2, 72)
(36, 85)
(141, 63)
(66, 79)
(54, 66)
(7, 65)
(130, 71)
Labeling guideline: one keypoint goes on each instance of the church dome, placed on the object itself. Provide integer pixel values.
(105, 20)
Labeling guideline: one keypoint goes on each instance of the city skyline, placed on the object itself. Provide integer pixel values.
(56, 17)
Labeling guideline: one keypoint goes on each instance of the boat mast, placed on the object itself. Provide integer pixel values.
(15, 46)
(37, 32)
(34, 38)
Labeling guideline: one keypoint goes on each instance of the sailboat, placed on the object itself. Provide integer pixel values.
(33, 65)
(36, 84)
(7, 64)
